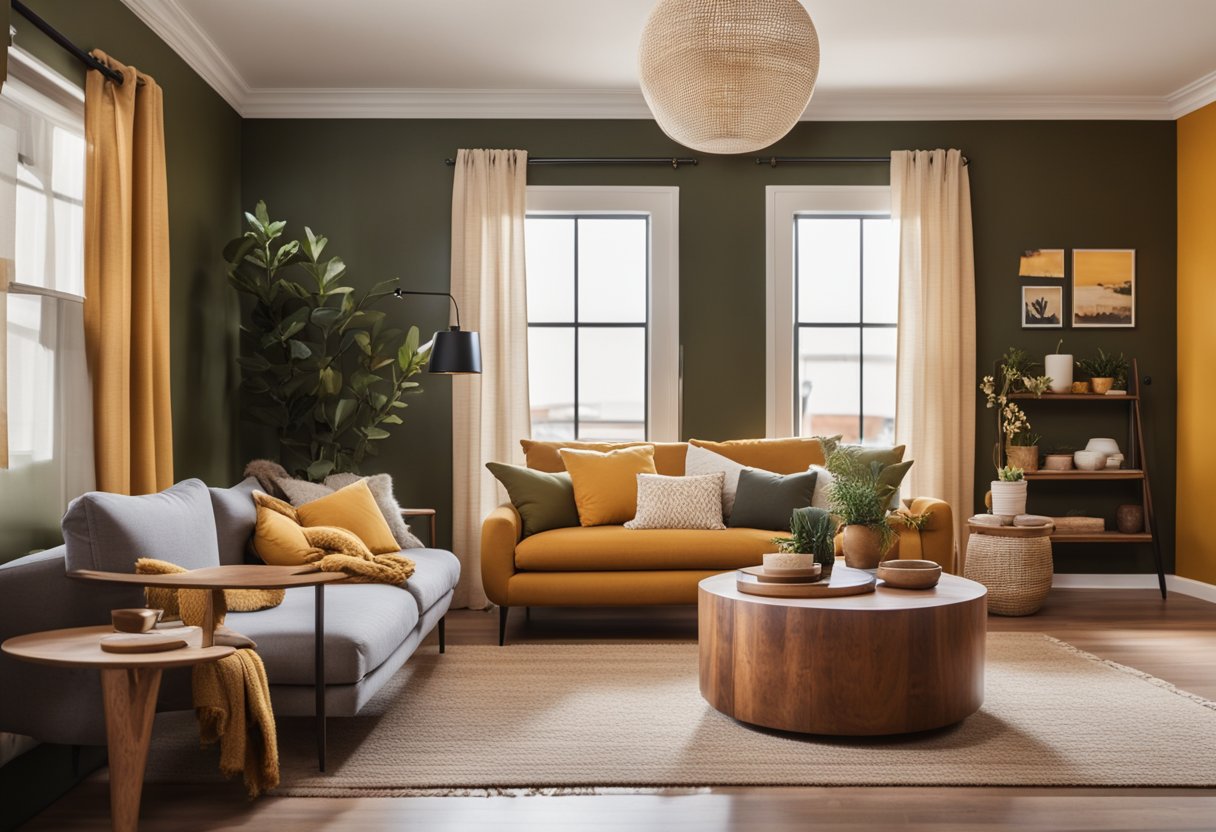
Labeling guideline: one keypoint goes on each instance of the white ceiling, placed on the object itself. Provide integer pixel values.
(577, 58)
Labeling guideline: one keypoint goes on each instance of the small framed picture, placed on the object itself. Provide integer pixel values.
(1104, 287)
(1042, 307)
(1042, 262)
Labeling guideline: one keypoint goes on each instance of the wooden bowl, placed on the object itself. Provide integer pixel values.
(135, 619)
(910, 574)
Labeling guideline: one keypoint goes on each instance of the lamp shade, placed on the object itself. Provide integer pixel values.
(728, 76)
(455, 352)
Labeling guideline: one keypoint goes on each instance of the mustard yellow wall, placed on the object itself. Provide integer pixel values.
(1196, 546)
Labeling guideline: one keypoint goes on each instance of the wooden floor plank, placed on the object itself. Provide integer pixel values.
(1175, 640)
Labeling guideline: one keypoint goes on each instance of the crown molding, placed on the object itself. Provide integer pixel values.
(193, 45)
(174, 25)
(1198, 93)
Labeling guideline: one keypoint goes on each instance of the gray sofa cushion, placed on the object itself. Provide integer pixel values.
(111, 531)
(364, 625)
(436, 573)
(235, 517)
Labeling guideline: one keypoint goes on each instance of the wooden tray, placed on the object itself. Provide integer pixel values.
(841, 582)
(769, 578)
(1011, 531)
(142, 643)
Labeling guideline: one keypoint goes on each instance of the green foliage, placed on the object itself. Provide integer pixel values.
(1104, 366)
(1025, 439)
(1009, 474)
(812, 532)
(856, 495)
(319, 364)
(919, 522)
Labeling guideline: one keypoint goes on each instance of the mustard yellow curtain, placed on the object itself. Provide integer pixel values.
(126, 281)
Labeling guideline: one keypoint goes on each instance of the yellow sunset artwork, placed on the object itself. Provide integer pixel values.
(1042, 262)
(1104, 287)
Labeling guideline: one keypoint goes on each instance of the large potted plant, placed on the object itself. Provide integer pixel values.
(812, 536)
(860, 501)
(320, 365)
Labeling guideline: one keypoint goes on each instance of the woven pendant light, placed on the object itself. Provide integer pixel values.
(728, 76)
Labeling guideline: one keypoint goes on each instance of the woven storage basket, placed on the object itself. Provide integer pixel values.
(1016, 570)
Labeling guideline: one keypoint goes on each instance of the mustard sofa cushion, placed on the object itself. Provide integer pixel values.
(606, 484)
(352, 508)
(781, 456)
(544, 456)
(278, 538)
(615, 549)
(544, 501)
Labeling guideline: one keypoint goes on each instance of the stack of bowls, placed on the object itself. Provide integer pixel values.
(1109, 448)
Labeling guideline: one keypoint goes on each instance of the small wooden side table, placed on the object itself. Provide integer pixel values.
(130, 683)
(246, 576)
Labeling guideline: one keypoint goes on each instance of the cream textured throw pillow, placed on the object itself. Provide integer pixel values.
(679, 502)
(704, 461)
(822, 483)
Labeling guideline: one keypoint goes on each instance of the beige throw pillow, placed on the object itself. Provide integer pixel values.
(704, 461)
(679, 502)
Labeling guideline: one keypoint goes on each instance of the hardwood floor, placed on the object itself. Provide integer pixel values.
(1175, 640)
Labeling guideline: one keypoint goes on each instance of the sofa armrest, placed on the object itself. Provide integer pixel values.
(937, 537)
(500, 531)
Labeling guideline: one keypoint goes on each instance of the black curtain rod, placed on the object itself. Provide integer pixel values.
(674, 161)
(59, 38)
(773, 161)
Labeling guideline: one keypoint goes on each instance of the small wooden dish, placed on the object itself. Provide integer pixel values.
(842, 581)
(135, 619)
(783, 576)
(910, 574)
(150, 643)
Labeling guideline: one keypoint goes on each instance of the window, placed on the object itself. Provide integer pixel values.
(834, 307)
(602, 317)
(49, 407)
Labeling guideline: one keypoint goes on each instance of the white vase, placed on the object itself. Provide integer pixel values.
(1008, 498)
(1059, 368)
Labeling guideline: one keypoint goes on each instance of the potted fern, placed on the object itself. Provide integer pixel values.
(860, 501)
(812, 540)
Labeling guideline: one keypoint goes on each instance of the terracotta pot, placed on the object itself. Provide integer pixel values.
(1025, 457)
(1129, 519)
(1080, 387)
(1101, 385)
(862, 547)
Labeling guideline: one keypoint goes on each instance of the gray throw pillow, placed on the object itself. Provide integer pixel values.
(300, 492)
(235, 517)
(765, 500)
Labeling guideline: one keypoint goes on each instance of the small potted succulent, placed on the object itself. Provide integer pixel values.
(812, 539)
(1009, 492)
(1105, 371)
(1022, 451)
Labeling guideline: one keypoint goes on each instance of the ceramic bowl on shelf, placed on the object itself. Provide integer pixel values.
(910, 574)
(1089, 460)
(1114, 461)
(1057, 462)
(1103, 446)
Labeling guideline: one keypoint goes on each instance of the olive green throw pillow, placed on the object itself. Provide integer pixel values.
(765, 500)
(544, 501)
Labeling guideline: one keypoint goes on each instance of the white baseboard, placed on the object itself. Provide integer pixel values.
(1173, 583)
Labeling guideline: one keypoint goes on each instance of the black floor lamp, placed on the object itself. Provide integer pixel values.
(454, 352)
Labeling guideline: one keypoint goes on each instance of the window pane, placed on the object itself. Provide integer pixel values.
(612, 260)
(828, 374)
(32, 337)
(878, 388)
(69, 247)
(551, 382)
(67, 176)
(30, 255)
(549, 252)
(880, 263)
(828, 269)
(612, 383)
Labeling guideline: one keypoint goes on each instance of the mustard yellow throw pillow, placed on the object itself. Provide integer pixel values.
(352, 508)
(277, 536)
(606, 484)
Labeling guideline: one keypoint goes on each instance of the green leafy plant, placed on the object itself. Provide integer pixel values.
(1010, 474)
(1104, 366)
(812, 532)
(1025, 439)
(319, 365)
(1014, 369)
(919, 522)
(856, 495)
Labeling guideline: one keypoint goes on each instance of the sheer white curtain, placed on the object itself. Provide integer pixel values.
(936, 383)
(489, 412)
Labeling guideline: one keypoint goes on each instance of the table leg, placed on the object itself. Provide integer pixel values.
(129, 696)
(215, 599)
(319, 672)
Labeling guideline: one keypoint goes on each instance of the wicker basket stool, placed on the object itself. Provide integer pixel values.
(1014, 563)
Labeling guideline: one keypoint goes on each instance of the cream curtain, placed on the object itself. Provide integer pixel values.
(489, 413)
(126, 278)
(936, 383)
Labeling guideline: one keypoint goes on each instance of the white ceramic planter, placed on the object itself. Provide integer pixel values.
(1059, 368)
(1008, 498)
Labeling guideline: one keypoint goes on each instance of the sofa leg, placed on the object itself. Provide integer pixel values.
(527, 613)
(502, 625)
(443, 633)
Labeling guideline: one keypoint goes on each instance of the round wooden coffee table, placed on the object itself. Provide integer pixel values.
(889, 662)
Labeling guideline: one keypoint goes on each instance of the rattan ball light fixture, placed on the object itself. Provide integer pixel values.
(728, 76)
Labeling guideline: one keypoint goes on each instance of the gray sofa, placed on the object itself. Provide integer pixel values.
(370, 629)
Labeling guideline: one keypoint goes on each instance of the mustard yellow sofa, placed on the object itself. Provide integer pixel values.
(615, 566)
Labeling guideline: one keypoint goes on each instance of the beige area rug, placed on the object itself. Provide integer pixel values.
(594, 717)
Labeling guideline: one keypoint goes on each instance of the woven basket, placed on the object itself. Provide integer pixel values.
(1016, 570)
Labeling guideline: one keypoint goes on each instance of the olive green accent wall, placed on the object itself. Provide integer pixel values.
(203, 148)
(380, 191)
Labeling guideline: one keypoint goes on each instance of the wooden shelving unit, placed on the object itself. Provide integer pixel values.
(1138, 472)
